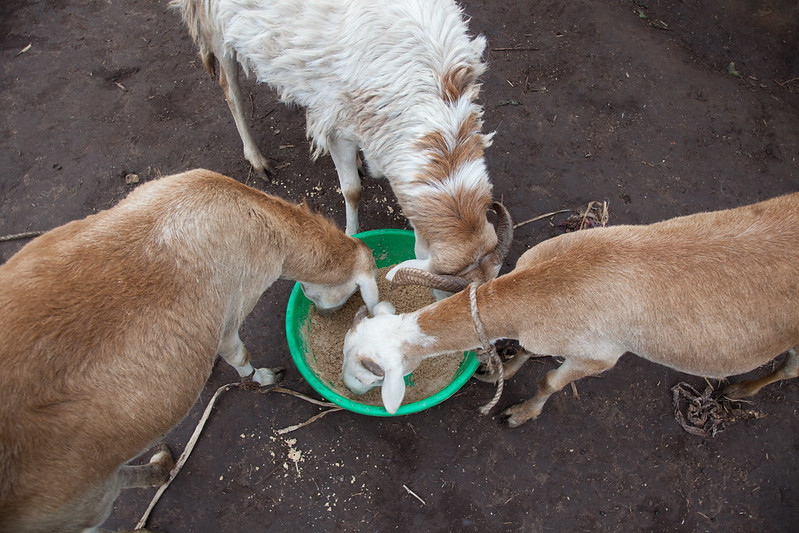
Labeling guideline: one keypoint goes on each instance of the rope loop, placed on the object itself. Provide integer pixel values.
(488, 353)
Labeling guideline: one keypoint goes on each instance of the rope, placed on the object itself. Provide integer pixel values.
(25, 235)
(201, 424)
(185, 455)
(488, 354)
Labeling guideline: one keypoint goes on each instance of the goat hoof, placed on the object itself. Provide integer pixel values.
(280, 373)
(513, 419)
(262, 377)
(510, 420)
(736, 391)
(267, 173)
(259, 163)
(163, 458)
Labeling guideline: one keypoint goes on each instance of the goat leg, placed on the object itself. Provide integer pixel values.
(229, 81)
(154, 473)
(235, 353)
(787, 370)
(571, 370)
(509, 367)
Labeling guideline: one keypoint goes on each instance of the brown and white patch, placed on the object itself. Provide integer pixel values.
(446, 155)
(456, 82)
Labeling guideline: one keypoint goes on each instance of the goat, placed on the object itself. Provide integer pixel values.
(396, 80)
(109, 327)
(712, 294)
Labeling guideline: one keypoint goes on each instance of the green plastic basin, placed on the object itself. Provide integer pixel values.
(389, 247)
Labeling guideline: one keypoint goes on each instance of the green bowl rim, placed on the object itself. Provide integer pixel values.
(465, 370)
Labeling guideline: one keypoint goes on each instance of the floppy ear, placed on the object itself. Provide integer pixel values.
(359, 316)
(372, 366)
(393, 389)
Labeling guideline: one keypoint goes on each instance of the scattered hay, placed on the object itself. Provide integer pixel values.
(594, 216)
(702, 414)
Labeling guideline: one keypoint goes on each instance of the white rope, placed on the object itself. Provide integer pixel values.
(201, 424)
(488, 354)
(25, 235)
(185, 455)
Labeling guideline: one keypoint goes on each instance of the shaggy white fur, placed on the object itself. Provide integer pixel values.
(381, 76)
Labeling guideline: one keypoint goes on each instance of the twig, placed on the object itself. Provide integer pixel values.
(541, 217)
(514, 49)
(602, 217)
(574, 391)
(185, 455)
(308, 422)
(267, 476)
(299, 395)
(24, 235)
(659, 25)
(786, 82)
(413, 494)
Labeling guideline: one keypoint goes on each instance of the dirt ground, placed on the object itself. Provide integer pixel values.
(660, 107)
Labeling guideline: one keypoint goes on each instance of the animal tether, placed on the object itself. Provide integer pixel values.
(488, 353)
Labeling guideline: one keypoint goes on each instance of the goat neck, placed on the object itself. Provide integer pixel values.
(450, 324)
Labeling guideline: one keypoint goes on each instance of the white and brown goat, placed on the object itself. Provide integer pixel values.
(109, 327)
(711, 294)
(396, 80)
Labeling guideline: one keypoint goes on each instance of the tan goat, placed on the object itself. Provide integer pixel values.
(109, 327)
(712, 294)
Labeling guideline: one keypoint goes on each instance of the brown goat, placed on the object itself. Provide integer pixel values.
(109, 327)
(712, 294)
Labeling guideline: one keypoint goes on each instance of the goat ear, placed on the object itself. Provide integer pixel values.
(359, 316)
(372, 366)
(393, 389)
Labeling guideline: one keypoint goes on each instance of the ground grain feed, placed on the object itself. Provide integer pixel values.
(327, 344)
